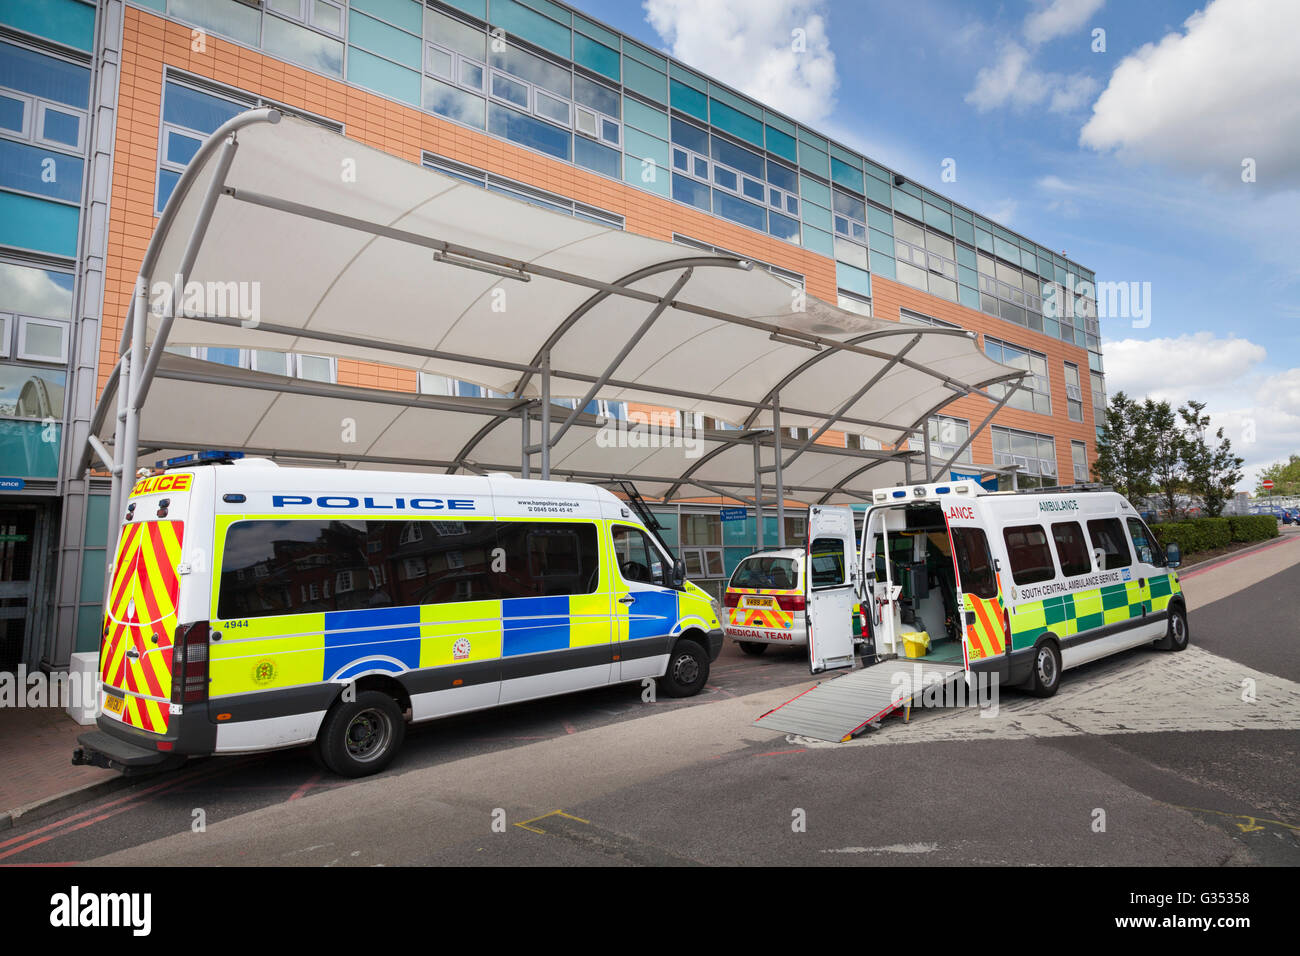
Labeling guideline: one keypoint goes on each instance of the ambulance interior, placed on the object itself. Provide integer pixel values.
(912, 552)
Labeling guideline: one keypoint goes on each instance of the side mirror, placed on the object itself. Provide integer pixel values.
(1173, 555)
(679, 573)
(1099, 558)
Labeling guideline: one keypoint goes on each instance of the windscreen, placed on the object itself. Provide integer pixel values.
(766, 572)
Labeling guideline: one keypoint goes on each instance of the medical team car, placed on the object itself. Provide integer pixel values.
(255, 607)
(765, 601)
(1020, 584)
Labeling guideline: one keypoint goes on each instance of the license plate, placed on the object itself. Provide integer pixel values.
(760, 602)
(113, 705)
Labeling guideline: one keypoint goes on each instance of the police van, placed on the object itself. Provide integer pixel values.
(1023, 585)
(255, 607)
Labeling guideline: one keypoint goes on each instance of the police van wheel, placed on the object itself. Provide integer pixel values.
(752, 647)
(362, 736)
(1046, 675)
(1177, 636)
(688, 670)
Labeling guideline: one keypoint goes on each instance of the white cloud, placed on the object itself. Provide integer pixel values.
(1059, 18)
(1258, 408)
(1207, 98)
(753, 45)
(1012, 79)
(1073, 93)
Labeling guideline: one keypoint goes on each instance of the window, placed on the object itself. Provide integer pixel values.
(315, 368)
(794, 278)
(1071, 548)
(1098, 394)
(1144, 543)
(191, 111)
(42, 340)
(517, 190)
(548, 559)
(639, 561)
(947, 434)
(1034, 393)
(925, 260)
(1034, 455)
(1079, 459)
(304, 40)
(1108, 535)
(908, 317)
(826, 563)
(1073, 392)
(43, 99)
(974, 563)
(769, 573)
(1030, 557)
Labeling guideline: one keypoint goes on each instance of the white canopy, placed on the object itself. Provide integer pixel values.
(350, 252)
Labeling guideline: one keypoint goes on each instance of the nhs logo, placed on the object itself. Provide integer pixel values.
(1127, 574)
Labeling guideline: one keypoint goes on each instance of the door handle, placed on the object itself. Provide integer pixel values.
(627, 599)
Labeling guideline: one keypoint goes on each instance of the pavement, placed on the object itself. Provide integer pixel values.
(37, 778)
(36, 771)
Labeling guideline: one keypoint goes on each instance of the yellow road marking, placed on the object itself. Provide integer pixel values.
(553, 813)
(1251, 825)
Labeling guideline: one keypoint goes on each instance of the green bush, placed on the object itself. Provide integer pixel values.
(1207, 534)
(1253, 527)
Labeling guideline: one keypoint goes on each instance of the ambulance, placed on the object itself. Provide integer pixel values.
(255, 607)
(1024, 585)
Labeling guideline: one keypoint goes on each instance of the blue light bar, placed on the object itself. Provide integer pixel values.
(900, 494)
(942, 491)
(198, 458)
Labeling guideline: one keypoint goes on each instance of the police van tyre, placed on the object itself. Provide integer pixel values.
(688, 670)
(752, 647)
(361, 737)
(1177, 636)
(1046, 675)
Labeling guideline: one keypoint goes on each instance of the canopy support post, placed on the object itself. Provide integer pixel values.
(925, 444)
(758, 490)
(776, 466)
(525, 426)
(140, 389)
(546, 415)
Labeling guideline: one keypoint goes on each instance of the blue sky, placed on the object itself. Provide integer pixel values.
(1128, 158)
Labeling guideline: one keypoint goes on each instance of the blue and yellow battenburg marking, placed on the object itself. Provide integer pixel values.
(295, 649)
(1071, 614)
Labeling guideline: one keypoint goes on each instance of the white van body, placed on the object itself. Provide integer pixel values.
(1020, 584)
(247, 597)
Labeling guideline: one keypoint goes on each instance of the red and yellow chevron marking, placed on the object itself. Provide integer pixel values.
(987, 636)
(773, 617)
(142, 616)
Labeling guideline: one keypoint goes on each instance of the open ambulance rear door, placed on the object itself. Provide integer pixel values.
(831, 576)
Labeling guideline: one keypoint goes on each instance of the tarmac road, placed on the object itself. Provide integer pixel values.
(1144, 758)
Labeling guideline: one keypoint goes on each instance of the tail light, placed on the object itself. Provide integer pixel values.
(190, 663)
(731, 599)
(791, 602)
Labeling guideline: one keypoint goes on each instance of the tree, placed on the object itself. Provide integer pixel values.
(1285, 475)
(1124, 449)
(1168, 448)
(1212, 470)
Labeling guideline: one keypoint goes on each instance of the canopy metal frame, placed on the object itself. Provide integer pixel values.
(139, 360)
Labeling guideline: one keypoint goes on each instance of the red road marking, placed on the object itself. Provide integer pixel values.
(302, 791)
(777, 753)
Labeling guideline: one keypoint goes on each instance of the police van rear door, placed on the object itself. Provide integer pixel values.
(142, 607)
(831, 575)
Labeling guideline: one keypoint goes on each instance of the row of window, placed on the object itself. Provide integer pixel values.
(1031, 556)
(310, 565)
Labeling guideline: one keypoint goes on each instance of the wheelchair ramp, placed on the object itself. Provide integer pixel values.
(838, 708)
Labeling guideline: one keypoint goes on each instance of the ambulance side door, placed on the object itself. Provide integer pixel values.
(831, 575)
